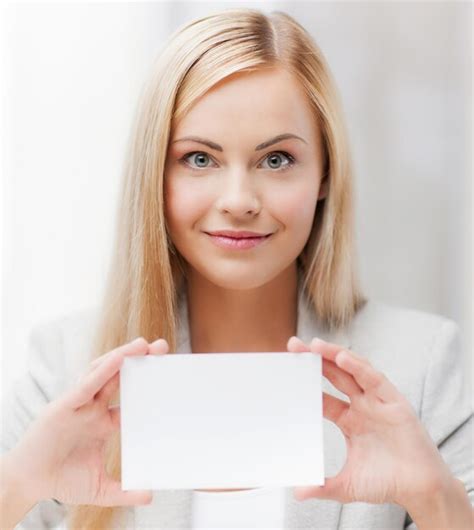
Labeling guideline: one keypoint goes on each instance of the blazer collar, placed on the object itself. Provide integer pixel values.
(173, 508)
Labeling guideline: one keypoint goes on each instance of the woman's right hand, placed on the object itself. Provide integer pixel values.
(61, 455)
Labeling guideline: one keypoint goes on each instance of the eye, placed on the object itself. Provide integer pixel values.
(274, 158)
(200, 159)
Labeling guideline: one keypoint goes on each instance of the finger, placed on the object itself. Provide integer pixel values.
(135, 347)
(159, 347)
(115, 416)
(95, 380)
(329, 350)
(331, 490)
(334, 409)
(112, 386)
(109, 389)
(138, 346)
(115, 496)
(340, 379)
(370, 380)
(296, 345)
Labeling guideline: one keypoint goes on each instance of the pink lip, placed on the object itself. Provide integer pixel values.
(236, 233)
(237, 243)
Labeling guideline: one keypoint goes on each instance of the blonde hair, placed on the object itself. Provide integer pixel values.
(146, 271)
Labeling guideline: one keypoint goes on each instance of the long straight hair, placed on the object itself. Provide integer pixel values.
(146, 270)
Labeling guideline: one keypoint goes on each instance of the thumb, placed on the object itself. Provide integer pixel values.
(115, 496)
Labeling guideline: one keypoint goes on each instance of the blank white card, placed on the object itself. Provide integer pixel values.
(221, 420)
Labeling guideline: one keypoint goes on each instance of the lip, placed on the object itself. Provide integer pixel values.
(233, 243)
(237, 233)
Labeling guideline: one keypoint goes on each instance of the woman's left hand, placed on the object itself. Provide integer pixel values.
(390, 455)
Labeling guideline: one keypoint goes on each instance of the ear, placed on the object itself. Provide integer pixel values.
(323, 189)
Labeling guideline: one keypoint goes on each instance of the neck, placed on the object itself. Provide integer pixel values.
(242, 320)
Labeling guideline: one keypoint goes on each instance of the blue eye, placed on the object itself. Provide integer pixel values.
(203, 157)
(276, 155)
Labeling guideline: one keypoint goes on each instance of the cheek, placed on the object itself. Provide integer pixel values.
(185, 203)
(295, 209)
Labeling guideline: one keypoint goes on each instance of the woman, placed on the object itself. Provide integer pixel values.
(240, 129)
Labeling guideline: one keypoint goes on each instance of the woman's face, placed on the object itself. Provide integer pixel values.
(244, 180)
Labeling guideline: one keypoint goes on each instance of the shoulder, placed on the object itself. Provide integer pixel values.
(380, 324)
(406, 344)
(392, 316)
(61, 345)
(57, 351)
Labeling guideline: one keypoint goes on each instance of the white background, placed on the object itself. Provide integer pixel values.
(72, 73)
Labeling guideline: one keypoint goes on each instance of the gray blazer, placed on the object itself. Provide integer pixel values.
(419, 352)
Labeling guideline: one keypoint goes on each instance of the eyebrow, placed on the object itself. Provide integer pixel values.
(217, 147)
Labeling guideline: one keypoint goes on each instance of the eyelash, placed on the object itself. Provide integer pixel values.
(290, 164)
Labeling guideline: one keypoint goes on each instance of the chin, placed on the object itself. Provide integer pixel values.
(239, 280)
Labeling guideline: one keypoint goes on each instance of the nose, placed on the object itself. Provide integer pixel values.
(238, 195)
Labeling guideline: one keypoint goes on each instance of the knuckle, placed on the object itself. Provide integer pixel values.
(401, 412)
(377, 379)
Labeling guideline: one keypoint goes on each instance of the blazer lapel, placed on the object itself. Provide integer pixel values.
(173, 508)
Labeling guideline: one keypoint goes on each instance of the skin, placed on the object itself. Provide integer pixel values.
(60, 456)
(240, 188)
(243, 189)
(237, 187)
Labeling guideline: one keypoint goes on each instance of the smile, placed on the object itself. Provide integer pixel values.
(238, 243)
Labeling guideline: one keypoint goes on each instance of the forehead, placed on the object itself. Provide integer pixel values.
(263, 102)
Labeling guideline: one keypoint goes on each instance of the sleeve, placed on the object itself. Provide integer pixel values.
(446, 409)
(28, 395)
